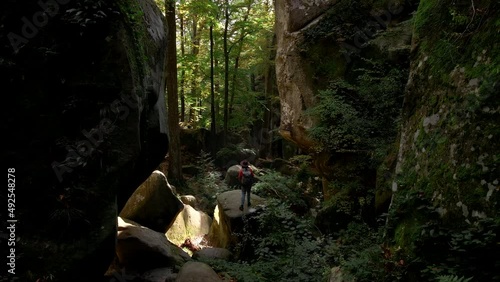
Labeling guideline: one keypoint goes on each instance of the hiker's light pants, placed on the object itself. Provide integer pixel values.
(245, 189)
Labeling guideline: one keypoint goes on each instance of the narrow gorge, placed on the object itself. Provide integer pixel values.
(372, 128)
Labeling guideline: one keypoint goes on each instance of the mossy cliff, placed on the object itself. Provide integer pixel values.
(341, 76)
(446, 190)
(84, 83)
(398, 103)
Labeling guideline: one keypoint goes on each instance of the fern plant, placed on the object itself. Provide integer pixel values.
(362, 114)
(207, 184)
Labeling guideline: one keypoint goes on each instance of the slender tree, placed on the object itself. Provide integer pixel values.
(239, 31)
(183, 71)
(226, 70)
(213, 123)
(174, 165)
(239, 45)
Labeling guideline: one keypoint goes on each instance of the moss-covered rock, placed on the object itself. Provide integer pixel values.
(348, 50)
(447, 170)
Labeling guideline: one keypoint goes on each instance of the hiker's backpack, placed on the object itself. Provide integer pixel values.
(246, 179)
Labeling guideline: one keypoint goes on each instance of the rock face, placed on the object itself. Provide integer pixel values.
(227, 220)
(84, 84)
(321, 42)
(447, 160)
(294, 81)
(189, 223)
(153, 204)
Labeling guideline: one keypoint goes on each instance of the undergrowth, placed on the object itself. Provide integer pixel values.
(207, 184)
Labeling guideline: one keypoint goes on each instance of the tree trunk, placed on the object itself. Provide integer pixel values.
(213, 132)
(195, 50)
(183, 72)
(237, 60)
(174, 166)
(226, 71)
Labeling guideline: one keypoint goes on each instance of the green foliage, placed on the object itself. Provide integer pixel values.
(363, 115)
(285, 249)
(428, 16)
(304, 163)
(89, 12)
(469, 250)
(453, 33)
(278, 186)
(282, 245)
(359, 251)
(247, 109)
(301, 160)
(250, 29)
(438, 248)
(348, 200)
(206, 185)
(136, 30)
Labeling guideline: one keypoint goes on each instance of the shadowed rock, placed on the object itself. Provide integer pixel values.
(159, 274)
(153, 204)
(141, 248)
(227, 222)
(85, 112)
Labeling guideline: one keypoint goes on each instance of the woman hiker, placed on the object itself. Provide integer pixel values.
(246, 179)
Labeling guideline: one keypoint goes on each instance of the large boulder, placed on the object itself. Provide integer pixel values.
(84, 84)
(141, 248)
(189, 224)
(231, 177)
(194, 271)
(227, 222)
(189, 200)
(153, 204)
